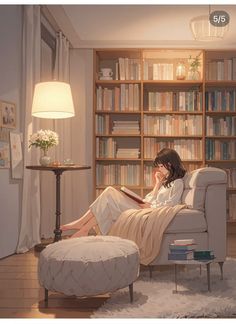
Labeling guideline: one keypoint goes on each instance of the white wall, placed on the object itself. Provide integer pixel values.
(10, 90)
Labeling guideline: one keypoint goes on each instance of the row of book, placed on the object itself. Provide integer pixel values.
(220, 149)
(123, 98)
(158, 71)
(173, 125)
(102, 124)
(118, 174)
(225, 126)
(231, 208)
(106, 147)
(129, 127)
(231, 177)
(128, 69)
(221, 69)
(220, 100)
(188, 149)
(186, 250)
(175, 101)
(130, 153)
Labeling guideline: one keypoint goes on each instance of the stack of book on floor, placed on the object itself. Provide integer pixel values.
(182, 250)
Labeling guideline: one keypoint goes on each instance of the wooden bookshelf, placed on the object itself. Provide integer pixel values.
(147, 97)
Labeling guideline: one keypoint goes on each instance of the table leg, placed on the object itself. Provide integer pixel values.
(208, 277)
(175, 291)
(57, 230)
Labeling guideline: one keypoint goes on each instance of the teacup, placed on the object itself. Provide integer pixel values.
(106, 72)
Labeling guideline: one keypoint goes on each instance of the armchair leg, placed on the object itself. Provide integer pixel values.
(131, 292)
(150, 271)
(221, 269)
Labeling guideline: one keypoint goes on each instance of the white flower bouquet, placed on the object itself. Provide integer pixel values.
(44, 139)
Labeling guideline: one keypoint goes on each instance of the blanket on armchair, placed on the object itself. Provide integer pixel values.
(145, 227)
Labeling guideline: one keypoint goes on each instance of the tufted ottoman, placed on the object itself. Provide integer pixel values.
(89, 266)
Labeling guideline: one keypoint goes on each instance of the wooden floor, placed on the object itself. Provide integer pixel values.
(22, 297)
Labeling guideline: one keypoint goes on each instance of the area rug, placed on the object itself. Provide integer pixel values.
(154, 298)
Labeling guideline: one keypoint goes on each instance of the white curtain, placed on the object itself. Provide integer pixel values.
(30, 220)
(63, 151)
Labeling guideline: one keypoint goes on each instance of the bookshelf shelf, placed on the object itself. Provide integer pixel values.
(171, 112)
(118, 112)
(221, 113)
(162, 111)
(173, 83)
(115, 82)
(231, 221)
(185, 161)
(118, 159)
(120, 135)
(220, 83)
(220, 161)
(174, 136)
(221, 137)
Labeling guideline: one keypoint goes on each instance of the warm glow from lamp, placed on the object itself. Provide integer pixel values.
(203, 30)
(52, 99)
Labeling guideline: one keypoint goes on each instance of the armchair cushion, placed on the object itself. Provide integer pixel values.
(196, 183)
(187, 221)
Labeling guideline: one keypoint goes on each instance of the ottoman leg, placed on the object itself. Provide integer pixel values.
(46, 295)
(131, 292)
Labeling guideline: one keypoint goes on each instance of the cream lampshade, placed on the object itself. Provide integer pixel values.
(52, 99)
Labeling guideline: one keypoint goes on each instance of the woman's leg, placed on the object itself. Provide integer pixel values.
(85, 228)
(77, 224)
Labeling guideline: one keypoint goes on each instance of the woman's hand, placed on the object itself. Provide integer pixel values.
(159, 177)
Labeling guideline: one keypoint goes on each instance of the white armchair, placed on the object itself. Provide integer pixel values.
(205, 218)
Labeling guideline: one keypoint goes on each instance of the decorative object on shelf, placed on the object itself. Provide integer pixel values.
(105, 74)
(44, 139)
(194, 65)
(52, 99)
(68, 162)
(211, 27)
(180, 71)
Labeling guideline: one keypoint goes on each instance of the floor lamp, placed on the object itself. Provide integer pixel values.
(53, 100)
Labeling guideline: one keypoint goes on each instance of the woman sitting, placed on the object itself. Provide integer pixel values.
(106, 209)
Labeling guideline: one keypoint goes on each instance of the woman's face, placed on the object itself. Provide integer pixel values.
(161, 168)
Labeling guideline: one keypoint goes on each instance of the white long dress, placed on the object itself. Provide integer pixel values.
(111, 203)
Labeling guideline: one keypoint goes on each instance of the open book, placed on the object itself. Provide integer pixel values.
(132, 195)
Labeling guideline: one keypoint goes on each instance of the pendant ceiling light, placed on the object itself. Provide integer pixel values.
(204, 30)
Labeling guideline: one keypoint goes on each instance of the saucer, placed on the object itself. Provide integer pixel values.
(105, 78)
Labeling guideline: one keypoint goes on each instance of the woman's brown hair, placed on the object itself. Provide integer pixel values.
(172, 162)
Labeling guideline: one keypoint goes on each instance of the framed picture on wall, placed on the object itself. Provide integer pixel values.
(7, 114)
(4, 155)
(16, 155)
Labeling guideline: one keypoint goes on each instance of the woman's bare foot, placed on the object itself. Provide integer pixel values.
(71, 226)
(80, 233)
(78, 223)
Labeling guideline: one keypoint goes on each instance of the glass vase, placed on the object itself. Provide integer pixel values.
(44, 160)
(180, 71)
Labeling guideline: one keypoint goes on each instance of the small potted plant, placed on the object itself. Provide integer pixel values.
(194, 65)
